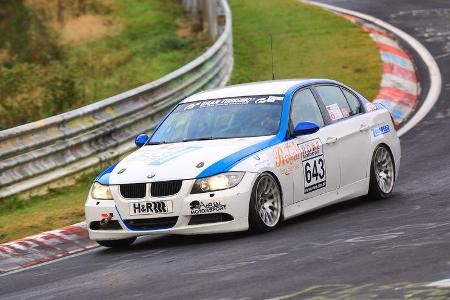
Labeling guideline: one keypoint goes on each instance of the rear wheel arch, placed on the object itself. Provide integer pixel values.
(375, 191)
(390, 152)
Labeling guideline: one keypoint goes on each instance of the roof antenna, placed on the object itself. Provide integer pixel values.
(271, 53)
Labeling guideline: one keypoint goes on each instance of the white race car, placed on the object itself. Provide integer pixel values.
(246, 156)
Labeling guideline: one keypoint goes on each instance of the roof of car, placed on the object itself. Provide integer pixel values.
(272, 87)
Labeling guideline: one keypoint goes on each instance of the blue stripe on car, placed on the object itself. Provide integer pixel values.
(129, 227)
(226, 163)
(103, 177)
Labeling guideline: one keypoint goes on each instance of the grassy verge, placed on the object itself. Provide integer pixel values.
(61, 207)
(308, 42)
(66, 54)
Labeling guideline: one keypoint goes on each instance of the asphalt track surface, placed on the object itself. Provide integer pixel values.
(359, 249)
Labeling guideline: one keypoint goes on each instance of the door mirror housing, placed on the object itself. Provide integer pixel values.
(140, 140)
(305, 128)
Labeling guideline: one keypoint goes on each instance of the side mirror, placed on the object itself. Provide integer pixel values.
(141, 139)
(305, 128)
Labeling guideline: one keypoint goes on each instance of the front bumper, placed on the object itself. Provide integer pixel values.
(232, 203)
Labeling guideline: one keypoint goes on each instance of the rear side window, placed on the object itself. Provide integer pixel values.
(355, 105)
(305, 108)
(335, 102)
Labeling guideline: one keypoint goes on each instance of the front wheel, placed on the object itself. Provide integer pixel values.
(265, 204)
(382, 173)
(117, 244)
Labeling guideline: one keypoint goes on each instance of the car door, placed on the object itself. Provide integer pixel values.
(349, 130)
(318, 171)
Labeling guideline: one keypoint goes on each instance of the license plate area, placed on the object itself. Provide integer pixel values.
(150, 208)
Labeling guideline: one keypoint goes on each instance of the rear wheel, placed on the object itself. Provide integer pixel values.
(382, 173)
(265, 204)
(117, 244)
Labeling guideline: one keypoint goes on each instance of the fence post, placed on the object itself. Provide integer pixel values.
(210, 16)
(206, 11)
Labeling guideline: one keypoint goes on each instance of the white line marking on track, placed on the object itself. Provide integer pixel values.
(377, 237)
(234, 265)
(445, 283)
(435, 74)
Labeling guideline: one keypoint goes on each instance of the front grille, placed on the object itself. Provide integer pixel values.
(210, 218)
(165, 188)
(134, 190)
(111, 225)
(152, 223)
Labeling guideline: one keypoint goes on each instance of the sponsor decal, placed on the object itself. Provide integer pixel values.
(199, 207)
(370, 107)
(233, 101)
(313, 164)
(379, 131)
(150, 207)
(270, 99)
(334, 111)
(345, 112)
(287, 157)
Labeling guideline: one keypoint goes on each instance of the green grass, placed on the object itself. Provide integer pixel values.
(143, 45)
(146, 49)
(61, 207)
(308, 42)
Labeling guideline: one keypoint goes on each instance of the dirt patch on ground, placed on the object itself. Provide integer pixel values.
(76, 20)
(4, 55)
(188, 27)
(87, 28)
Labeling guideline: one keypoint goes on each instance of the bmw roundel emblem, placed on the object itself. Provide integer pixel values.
(121, 171)
(151, 175)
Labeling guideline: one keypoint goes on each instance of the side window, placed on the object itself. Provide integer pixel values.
(305, 108)
(355, 105)
(335, 102)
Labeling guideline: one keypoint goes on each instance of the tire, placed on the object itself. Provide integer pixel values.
(117, 244)
(265, 209)
(382, 173)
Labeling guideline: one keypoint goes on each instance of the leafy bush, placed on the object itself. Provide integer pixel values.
(20, 91)
(61, 90)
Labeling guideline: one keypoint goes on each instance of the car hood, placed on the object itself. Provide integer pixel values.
(177, 160)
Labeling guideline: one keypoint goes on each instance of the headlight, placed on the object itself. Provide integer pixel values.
(217, 182)
(101, 192)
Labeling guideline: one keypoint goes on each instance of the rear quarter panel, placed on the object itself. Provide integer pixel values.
(383, 132)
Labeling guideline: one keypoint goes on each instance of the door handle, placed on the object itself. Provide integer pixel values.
(364, 127)
(331, 140)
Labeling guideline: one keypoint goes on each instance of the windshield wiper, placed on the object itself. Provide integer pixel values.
(199, 139)
(156, 143)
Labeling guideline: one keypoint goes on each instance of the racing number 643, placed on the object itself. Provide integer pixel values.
(314, 173)
(314, 168)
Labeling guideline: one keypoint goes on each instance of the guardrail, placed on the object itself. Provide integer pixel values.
(37, 153)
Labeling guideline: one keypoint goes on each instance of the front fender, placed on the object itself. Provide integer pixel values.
(265, 161)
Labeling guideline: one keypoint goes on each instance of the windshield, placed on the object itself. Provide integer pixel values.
(221, 118)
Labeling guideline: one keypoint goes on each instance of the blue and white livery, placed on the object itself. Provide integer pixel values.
(246, 157)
